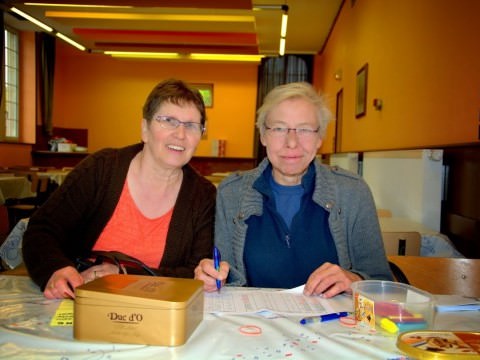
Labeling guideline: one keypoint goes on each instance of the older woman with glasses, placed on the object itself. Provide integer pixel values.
(293, 221)
(143, 200)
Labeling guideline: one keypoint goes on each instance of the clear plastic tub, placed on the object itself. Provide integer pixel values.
(391, 306)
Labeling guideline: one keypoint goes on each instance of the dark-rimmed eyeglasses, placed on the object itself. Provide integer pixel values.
(170, 123)
(281, 132)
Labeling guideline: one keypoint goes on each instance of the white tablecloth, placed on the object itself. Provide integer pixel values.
(25, 332)
(14, 187)
(57, 176)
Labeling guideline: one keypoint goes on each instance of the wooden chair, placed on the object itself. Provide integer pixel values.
(18, 209)
(440, 275)
(402, 243)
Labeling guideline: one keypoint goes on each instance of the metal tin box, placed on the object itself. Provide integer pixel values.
(135, 309)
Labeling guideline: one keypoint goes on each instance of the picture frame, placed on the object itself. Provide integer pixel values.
(361, 94)
(206, 90)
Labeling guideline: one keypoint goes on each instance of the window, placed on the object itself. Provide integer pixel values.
(10, 130)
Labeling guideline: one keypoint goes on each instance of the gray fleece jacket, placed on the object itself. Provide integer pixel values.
(352, 219)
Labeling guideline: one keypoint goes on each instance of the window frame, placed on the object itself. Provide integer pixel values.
(11, 86)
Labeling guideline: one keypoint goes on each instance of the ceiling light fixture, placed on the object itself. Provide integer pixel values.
(178, 56)
(79, 5)
(283, 30)
(143, 55)
(281, 51)
(48, 29)
(70, 41)
(226, 57)
(32, 19)
(150, 17)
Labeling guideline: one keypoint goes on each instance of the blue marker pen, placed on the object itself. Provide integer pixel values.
(216, 264)
(323, 318)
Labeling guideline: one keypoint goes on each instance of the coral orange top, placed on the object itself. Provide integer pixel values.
(130, 232)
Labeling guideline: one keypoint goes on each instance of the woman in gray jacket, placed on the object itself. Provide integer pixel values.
(292, 220)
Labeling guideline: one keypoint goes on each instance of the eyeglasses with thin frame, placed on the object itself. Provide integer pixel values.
(170, 123)
(302, 133)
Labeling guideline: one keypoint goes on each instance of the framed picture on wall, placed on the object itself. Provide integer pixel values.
(206, 90)
(361, 95)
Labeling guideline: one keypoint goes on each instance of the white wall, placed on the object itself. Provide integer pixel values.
(408, 183)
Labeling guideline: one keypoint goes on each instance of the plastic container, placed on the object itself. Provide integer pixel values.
(392, 307)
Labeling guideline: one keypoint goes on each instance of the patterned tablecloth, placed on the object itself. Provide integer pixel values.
(26, 333)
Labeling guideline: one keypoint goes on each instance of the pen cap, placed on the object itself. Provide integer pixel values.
(404, 306)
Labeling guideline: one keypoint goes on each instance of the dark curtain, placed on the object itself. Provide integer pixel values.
(277, 71)
(45, 60)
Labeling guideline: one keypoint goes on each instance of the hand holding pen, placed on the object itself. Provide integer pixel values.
(213, 272)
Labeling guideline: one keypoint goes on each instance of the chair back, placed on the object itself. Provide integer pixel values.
(19, 208)
(450, 276)
(402, 243)
(41, 186)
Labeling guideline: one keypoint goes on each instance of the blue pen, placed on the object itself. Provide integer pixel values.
(216, 264)
(323, 318)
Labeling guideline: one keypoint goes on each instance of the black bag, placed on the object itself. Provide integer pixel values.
(123, 261)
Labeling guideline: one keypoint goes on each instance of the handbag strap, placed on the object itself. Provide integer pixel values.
(115, 257)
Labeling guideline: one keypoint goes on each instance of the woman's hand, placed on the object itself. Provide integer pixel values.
(98, 271)
(329, 280)
(206, 272)
(62, 283)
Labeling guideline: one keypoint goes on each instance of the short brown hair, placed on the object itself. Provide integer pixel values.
(176, 92)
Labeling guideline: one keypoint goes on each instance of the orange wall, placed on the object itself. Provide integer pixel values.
(424, 64)
(106, 96)
(15, 154)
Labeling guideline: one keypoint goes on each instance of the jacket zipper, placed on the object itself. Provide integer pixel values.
(287, 240)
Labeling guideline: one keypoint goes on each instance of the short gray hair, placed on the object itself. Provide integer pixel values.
(302, 90)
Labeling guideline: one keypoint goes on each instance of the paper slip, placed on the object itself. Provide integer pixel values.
(64, 314)
(236, 301)
(446, 303)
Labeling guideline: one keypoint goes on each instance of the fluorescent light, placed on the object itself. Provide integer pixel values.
(48, 28)
(283, 29)
(178, 56)
(153, 17)
(281, 51)
(143, 55)
(70, 41)
(227, 57)
(32, 19)
(78, 5)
